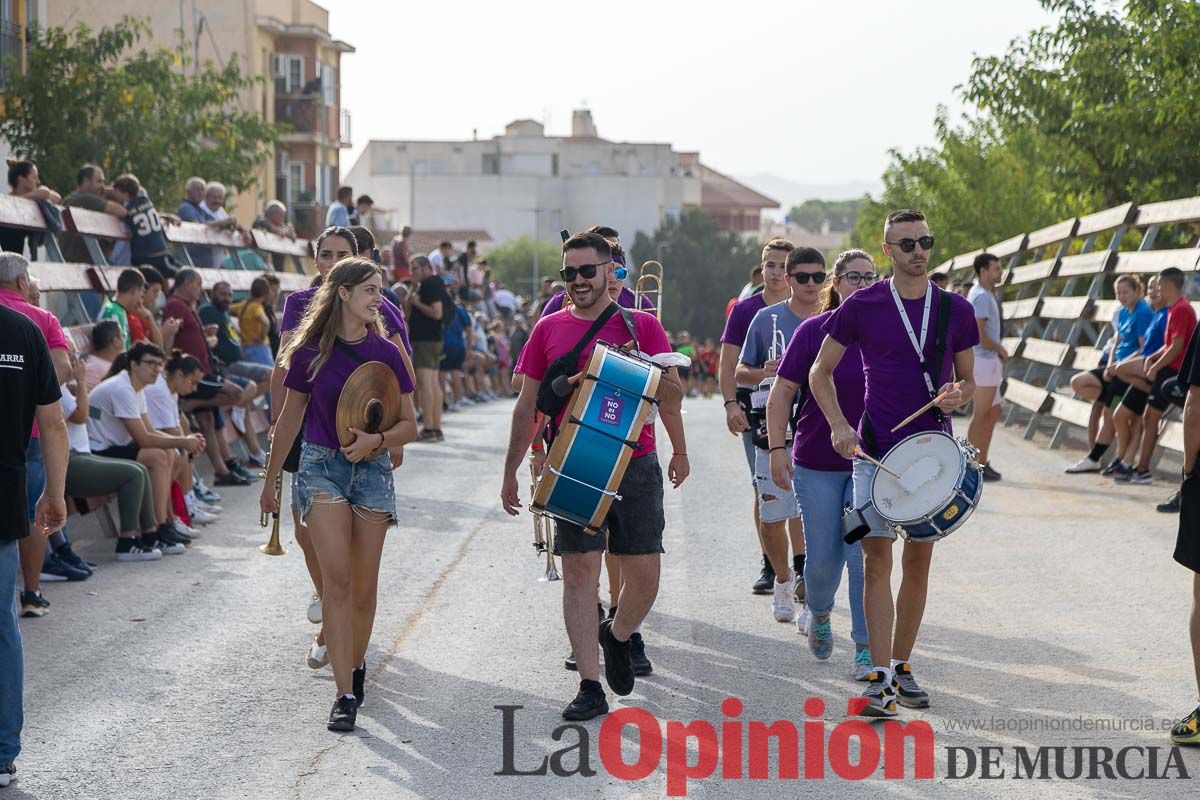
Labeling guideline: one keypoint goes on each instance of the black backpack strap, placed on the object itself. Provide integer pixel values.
(592, 332)
(935, 366)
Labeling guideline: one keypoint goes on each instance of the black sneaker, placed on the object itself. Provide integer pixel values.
(766, 579)
(618, 663)
(133, 549)
(169, 535)
(989, 474)
(438, 435)
(239, 469)
(34, 605)
(569, 663)
(427, 435)
(360, 680)
(1121, 473)
(588, 704)
(8, 773)
(60, 569)
(231, 479)
(637, 655)
(1169, 507)
(69, 556)
(343, 715)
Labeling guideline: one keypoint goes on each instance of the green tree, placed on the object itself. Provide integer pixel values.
(101, 97)
(812, 215)
(513, 261)
(703, 267)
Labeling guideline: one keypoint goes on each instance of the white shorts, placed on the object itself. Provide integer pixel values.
(988, 374)
(782, 504)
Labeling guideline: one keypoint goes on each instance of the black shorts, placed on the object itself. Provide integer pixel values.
(1110, 390)
(684, 373)
(126, 452)
(1187, 542)
(208, 388)
(635, 522)
(1158, 399)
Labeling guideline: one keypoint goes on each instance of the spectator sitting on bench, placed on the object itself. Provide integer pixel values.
(147, 244)
(119, 427)
(90, 475)
(253, 377)
(194, 209)
(23, 182)
(213, 391)
(1145, 396)
(90, 194)
(1100, 386)
(131, 286)
(107, 344)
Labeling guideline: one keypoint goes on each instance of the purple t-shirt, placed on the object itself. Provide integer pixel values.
(320, 425)
(740, 318)
(624, 299)
(297, 303)
(811, 447)
(894, 386)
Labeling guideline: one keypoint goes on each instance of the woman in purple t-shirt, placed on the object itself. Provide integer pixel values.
(821, 478)
(346, 494)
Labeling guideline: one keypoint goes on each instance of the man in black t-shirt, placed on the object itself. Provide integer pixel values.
(427, 306)
(28, 390)
(1187, 542)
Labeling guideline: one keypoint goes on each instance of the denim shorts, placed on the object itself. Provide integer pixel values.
(366, 485)
(635, 522)
(782, 504)
(748, 445)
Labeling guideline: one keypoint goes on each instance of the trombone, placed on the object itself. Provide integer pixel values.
(649, 282)
(542, 535)
(273, 547)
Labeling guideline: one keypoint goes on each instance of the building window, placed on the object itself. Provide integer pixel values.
(329, 85)
(491, 164)
(554, 163)
(288, 72)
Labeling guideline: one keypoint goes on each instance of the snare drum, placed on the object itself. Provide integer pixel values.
(597, 438)
(939, 486)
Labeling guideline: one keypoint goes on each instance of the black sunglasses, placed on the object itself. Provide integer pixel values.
(908, 245)
(804, 277)
(588, 271)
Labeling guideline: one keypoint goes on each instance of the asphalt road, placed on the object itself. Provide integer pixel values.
(1056, 610)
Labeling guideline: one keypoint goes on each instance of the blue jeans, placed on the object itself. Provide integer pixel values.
(823, 496)
(35, 476)
(258, 354)
(12, 660)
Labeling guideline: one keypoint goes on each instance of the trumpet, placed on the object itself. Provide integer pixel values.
(650, 282)
(542, 536)
(273, 547)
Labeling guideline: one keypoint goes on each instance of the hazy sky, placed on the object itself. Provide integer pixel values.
(811, 90)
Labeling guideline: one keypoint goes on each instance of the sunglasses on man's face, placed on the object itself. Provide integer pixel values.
(908, 245)
(587, 271)
(804, 277)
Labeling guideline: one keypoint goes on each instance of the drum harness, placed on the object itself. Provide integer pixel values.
(858, 522)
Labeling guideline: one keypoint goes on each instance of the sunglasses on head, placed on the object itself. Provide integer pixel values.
(908, 245)
(804, 277)
(621, 273)
(588, 271)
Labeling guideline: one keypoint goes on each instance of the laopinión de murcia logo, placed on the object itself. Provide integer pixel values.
(854, 749)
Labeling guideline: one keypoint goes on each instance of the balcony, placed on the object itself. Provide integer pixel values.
(12, 42)
(312, 120)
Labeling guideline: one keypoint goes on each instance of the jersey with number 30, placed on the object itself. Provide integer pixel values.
(145, 228)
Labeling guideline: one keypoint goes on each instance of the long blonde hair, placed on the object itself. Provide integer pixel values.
(323, 318)
(830, 299)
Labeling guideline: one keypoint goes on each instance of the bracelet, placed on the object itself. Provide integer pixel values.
(727, 402)
(778, 447)
(680, 454)
(537, 448)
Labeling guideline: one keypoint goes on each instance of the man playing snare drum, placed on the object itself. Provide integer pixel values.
(895, 324)
(636, 521)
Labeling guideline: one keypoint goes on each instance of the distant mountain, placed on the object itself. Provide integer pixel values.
(790, 193)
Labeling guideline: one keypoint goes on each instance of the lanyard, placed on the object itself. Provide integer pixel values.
(919, 346)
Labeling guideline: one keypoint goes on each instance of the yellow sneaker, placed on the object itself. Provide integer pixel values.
(1187, 731)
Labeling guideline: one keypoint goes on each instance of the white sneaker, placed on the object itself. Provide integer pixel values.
(238, 417)
(258, 459)
(314, 610)
(210, 508)
(1084, 464)
(803, 620)
(185, 529)
(784, 604)
(318, 655)
(202, 517)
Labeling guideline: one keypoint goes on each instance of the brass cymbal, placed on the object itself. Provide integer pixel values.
(369, 401)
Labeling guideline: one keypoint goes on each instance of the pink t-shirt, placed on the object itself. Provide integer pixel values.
(46, 322)
(554, 335)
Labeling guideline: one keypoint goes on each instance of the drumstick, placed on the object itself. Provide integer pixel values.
(926, 407)
(859, 452)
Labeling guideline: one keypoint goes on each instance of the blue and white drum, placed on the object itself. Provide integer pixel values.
(597, 438)
(938, 487)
